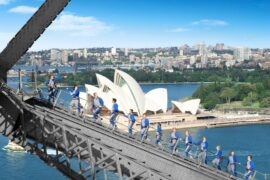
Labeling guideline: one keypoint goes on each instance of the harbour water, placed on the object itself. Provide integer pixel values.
(243, 140)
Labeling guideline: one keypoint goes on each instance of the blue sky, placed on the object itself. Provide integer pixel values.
(144, 23)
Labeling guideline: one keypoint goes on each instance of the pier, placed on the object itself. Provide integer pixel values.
(183, 121)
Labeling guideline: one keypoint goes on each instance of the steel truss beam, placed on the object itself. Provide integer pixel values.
(89, 129)
(29, 33)
(110, 159)
(95, 148)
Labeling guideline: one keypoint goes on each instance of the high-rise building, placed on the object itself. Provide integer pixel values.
(181, 52)
(85, 54)
(241, 54)
(132, 58)
(202, 49)
(64, 57)
(77, 53)
(204, 59)
(126, 51)
(55, 55)
(219, 46)
(192, 60)
(113, 51)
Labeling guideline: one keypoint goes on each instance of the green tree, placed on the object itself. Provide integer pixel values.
(228, 93)
(201, 92)
(252, 96)
(265, 102)
(108, 62)
(243, 90)
(250, 99)
(211, 101)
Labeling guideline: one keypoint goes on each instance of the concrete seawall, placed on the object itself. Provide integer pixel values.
(190, 121)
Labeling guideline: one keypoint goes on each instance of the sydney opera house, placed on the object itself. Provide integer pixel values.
(190, 106)
(130, 95)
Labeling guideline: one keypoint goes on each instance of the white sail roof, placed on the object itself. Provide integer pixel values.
(191, 106)
(132, 89)
(129, 94)
(156, 100)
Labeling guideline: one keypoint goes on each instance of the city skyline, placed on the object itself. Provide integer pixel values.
(144, 24)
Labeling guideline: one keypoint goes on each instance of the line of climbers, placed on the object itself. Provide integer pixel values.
(98, 103)
(53, 91)
(175, 138)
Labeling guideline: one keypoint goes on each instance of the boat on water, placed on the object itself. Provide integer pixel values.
(11, 146)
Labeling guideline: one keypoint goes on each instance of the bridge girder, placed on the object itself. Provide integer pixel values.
(36, 126)
(148, 156)
(29, 33)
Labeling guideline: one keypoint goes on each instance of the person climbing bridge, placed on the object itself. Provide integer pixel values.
(75, 102)
(131, 121)
(52, 88)
(188, 143)
(202, 156)
(114, 112)
(250, 168)
(173, 139)
(98, 103)
(232, 162)
(218, 157)
(144, 127)
(158, 134)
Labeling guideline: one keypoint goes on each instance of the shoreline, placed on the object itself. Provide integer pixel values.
(181, 83)
(157, 83)
(210, 123)
(175, 83)
(214, 123)
(221, 124)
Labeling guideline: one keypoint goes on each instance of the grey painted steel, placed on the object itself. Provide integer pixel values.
(11, 114)
(29, 33)
(93, 146)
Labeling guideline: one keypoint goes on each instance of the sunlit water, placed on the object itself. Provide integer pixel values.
(244, 140)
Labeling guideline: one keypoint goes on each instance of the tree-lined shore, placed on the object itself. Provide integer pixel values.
(250, 88)
(253, 95)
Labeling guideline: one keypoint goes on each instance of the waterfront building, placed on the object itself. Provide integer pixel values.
(129, 94)
(189, 106)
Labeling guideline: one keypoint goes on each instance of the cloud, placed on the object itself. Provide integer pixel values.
(210, 22)
(178, 30)
(24, 10)
(206, 23)
(79, 25)
(4, 2)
